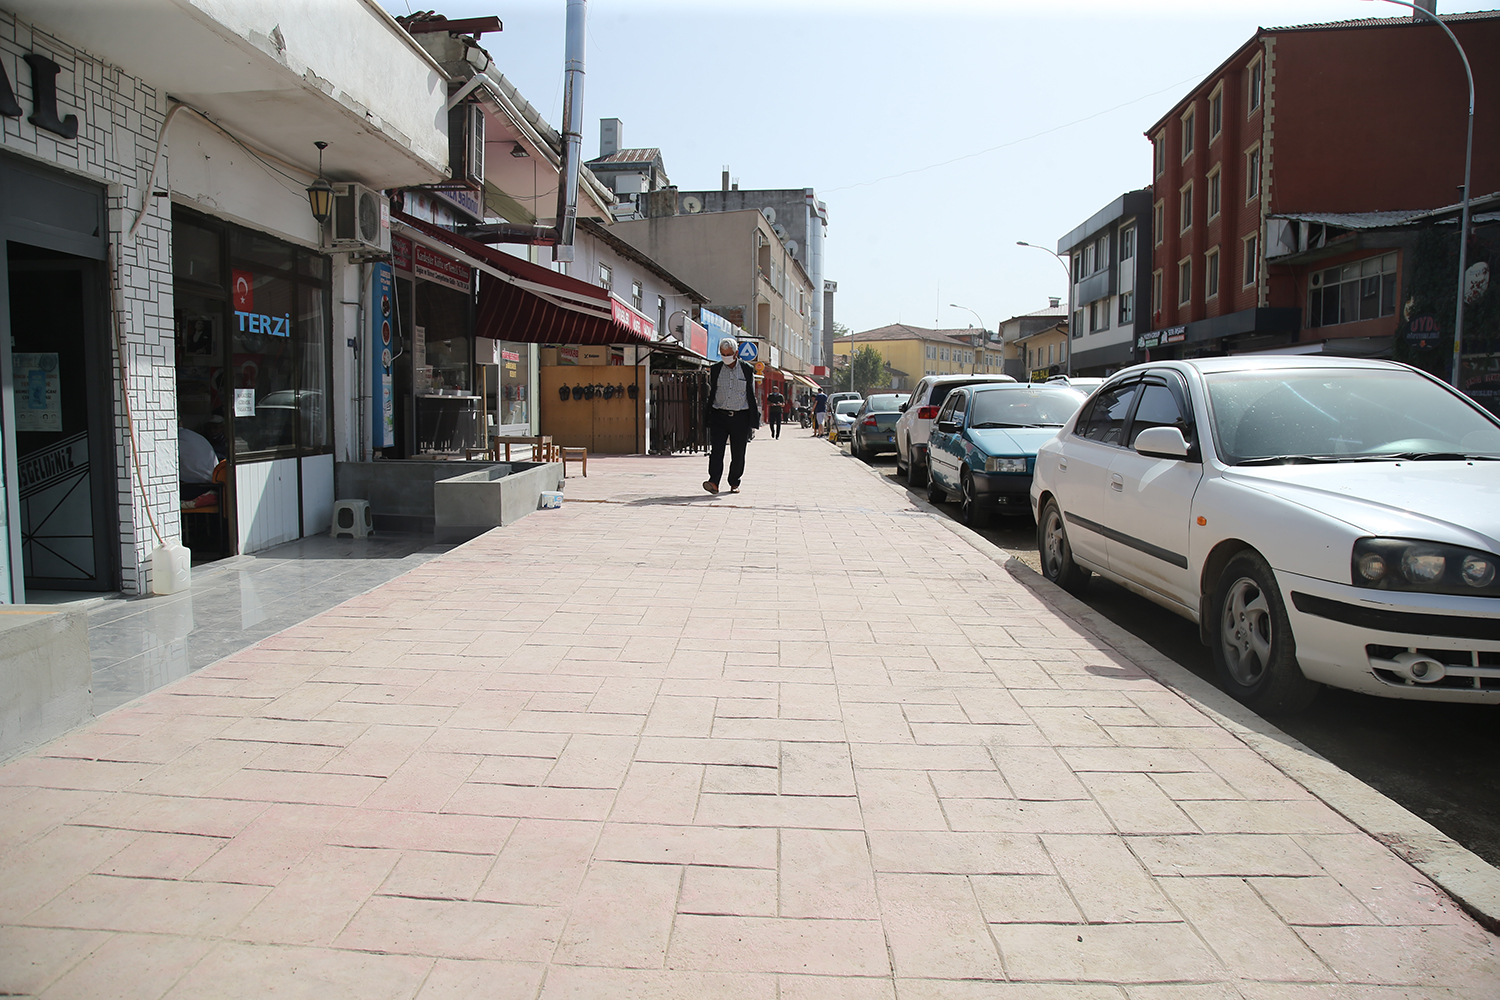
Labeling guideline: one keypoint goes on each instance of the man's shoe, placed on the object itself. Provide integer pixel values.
(734, 489)
(711, 486)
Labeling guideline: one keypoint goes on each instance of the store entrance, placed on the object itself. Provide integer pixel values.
(61, 387)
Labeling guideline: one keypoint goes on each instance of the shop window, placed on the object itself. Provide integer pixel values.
(1365, 289)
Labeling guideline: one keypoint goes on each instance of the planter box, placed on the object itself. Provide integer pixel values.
(46, 680)
(469, 505)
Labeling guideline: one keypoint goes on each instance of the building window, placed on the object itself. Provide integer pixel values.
(1184, 281)
(1252, 259)
(1211, 273)
(1127, 243)
(1365, 289)
(1076, 259)
(1215, 113)
(1101, 253)
(1188, 121)
(635, 295)
(1213, 194)
(1156, 281)
(1099, 315)
(1255, 84)
(1252, 173)
(606, 277)
(1185, 207)
(1088, 260)
(661, 315)
(1076, 326)
(943, 354)
(1127, 308)
(1158, 225)
(1160, 150)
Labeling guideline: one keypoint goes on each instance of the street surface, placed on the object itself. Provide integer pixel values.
(1436, 760)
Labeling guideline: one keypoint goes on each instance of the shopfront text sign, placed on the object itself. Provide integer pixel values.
(631, 320)
(1156, 338)
(250, 321)
(43, 97)
(428, 263)
(383, 295)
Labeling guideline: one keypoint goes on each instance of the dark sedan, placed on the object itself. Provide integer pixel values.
(874, 430)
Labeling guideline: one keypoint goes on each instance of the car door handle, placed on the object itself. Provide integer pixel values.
(1117, 482)
(1062, 465)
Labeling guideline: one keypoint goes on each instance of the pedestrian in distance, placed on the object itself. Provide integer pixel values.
(820, 411)
(775, 404)
(732, 415)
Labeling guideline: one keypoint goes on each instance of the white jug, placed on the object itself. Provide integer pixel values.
(171, 568)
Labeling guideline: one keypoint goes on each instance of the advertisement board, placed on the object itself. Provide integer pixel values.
(382, 342)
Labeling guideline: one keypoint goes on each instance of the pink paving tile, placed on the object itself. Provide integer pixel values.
(297, 786)
(422, 831)
(379, 751)
(542, 864)
(531, 803)
(566, 982)
(1458, 957)
(934, 928)
(154, 906)
(437, 874)
(84, 775)
(454, 979)
(30, 811)
(771, 944)
(1246, 934)
(31, 958)
(424, 782)
(453, 929)
(316, 900)
(1105, 953)
(239, 971)
(622, 916)
(826, 873)
(193, 816)
(272, 844)
(743, 892)
(162, 855)
(133, 965)
(688, 845)
(53, 863)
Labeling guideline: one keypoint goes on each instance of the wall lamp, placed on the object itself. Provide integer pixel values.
(320, 192)
(519, 151)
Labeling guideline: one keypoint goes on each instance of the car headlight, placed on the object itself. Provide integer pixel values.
(993, 464)
(1430, 567)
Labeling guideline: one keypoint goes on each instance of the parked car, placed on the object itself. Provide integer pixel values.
(1323, 520)
(874, 429)
(843, 417)
(984, 442)
(1083, 383)
(915, 423)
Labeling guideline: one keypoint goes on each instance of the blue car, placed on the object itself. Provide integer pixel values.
(984, 443)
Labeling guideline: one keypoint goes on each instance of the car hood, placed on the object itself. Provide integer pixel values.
(1458, 502)
(1011, 440)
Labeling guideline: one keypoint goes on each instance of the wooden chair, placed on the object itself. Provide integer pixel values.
(580, 455)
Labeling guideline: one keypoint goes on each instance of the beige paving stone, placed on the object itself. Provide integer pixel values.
(688, 845)
(1250, 774)
(1025, 816)
(542, 863)
(1275, 816)
(453, 929)
(239, 971)
(1107, 881)
(921, 758)
(31, 958)
(741, 892)
(41, 869)
(458, 979)
(674, 750)
(1458, 957)
(797, 730)
(622, 916)
(152, 906)
(951, 989)
(525, 802)
(592, 762)
(969, 785)
(742, 779)
(1314, 900)
(660, 793)
(836, 988)
(1148, 760)
(1248, 937)
(826, 873)
(1183, 786)
(1136, 804)
(138, 965)
(1193, 991)
(776, 944)
(871, 723)
(1107, 953)
(935, 929)
(437, 874)
(297, 786)
(511, 771)
(581, 983)
(276, 840)
(816, 769)
(318, 897)
(200, 768)
(923, 852)
(1243, 854)
(673, 715)
(161, 855)
(813, 811)
(1382, 882)
(891, 799)
(1024, 899)
(422, 831)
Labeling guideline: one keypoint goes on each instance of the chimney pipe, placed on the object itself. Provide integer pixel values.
(1054, 300)
(567, 188)
(611, 134)
(724, 180)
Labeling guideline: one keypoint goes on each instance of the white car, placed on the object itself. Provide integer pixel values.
(843, 415)
(915, 424)
(1324, 521)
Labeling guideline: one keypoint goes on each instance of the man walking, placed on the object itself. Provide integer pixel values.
(775, 402)
(820, 411)
(732, 415)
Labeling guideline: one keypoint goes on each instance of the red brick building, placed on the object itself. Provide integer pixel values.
(1310, 121)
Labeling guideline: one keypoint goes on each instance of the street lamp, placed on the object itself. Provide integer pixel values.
(1463, 229)
(1068, 269)
(982, 334)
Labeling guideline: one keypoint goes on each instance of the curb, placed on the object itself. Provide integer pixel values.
(1473, 883)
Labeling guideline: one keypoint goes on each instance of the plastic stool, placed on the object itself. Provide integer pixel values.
(352, 518)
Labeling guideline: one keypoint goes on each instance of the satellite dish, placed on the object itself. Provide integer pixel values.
(779, 230)
(791, 247)
(691, 204)
(769, 213)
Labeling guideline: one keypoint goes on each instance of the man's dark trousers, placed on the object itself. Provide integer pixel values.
(732, 427)
(774, 418)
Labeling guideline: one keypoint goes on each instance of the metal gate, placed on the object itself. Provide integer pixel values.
(677, 400)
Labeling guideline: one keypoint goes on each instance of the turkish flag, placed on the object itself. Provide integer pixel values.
(244, 290)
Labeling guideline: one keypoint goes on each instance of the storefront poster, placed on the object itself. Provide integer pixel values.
(382, 294)
(244, 402)
(38, 393)
(433, 266)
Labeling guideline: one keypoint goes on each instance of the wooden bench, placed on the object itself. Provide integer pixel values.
(580, 455)
(542, 448)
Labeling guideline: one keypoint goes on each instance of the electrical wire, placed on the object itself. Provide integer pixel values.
(1014, 142)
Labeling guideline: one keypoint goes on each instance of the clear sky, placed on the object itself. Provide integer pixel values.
(938, 132)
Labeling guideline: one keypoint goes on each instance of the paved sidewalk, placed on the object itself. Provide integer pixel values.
(800, 742)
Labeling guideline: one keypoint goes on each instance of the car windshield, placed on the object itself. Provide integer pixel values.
(1039, 407)
(848, 407)
(886, 402)
(1343, 414)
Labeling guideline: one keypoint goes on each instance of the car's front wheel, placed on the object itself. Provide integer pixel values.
(935, 492)
(970, 512)
(1253, 646)
(1057, 555)
(916, 472)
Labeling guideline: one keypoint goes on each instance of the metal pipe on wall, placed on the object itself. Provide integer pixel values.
(567, 190)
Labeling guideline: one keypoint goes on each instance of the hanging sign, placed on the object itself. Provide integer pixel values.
(383, 296)
(401, 254)
(38, 393)
(631, 320)
(428, 263)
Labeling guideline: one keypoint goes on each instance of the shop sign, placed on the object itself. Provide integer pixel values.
(718, 328)
(43, 97)
(383, 295)
(464, 200)
(631, 320)
(696, 337)
(428, 263)
(401, 253)
(250, 321)
(42, 469)
(1422, 329)
(1171, 335)
(511, 357)
(38, 393)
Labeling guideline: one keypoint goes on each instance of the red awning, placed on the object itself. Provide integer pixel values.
(528, 303)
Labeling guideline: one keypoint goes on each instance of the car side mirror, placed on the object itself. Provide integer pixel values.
(902, 408)
(1162, 442)
(947, 426)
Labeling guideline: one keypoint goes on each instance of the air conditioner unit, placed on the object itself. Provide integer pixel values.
(361, 220)
(466, 145)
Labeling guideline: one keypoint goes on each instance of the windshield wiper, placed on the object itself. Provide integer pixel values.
(1436, 456)
(1287, 460)
(989, 424)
